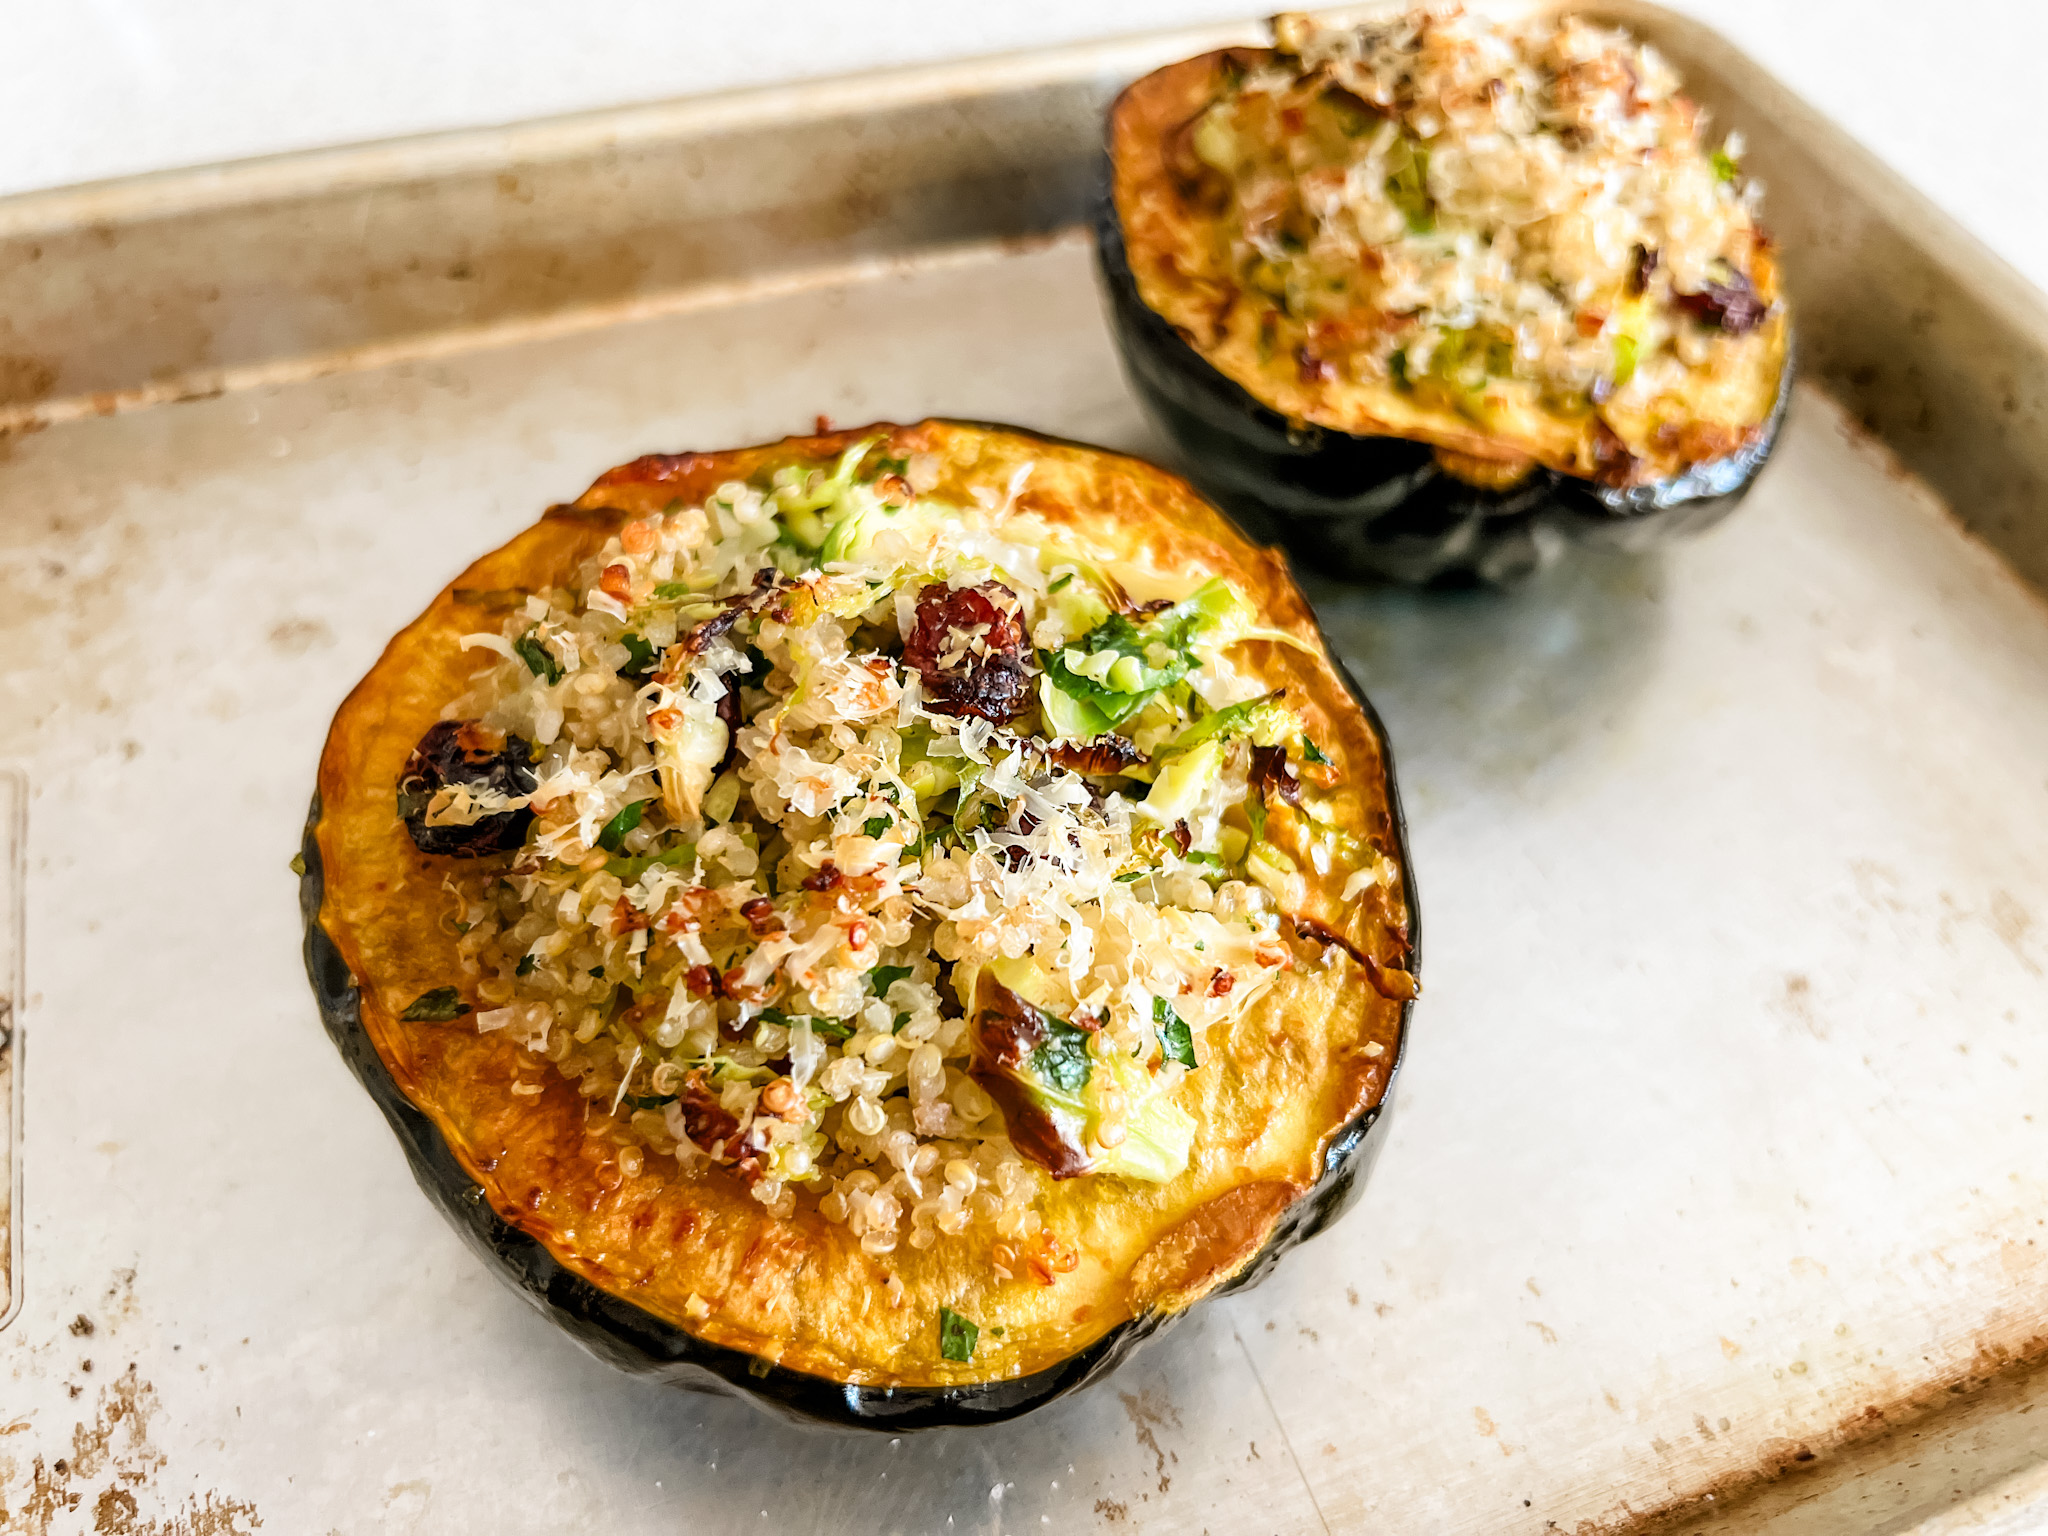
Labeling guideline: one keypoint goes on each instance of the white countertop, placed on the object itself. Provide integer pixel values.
(102, 88)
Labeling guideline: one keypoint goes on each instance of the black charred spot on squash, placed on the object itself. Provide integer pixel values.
(468, 754)
(968, 645)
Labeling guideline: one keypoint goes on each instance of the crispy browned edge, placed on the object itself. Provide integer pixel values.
(1148, 206)
(771, 1282)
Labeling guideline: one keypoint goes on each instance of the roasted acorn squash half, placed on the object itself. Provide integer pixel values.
(1425, 297)
(880, 922)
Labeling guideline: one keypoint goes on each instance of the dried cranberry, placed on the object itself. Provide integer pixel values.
(1735, 306)
(469, 754)
(968, 645)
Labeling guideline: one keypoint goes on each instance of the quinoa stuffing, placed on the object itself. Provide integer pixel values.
(1497, 220)
(887, 852)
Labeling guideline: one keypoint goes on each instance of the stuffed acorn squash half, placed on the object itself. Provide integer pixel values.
(880, 921)
(1425, 295)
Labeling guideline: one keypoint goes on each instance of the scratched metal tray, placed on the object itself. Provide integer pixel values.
(1719, 1187)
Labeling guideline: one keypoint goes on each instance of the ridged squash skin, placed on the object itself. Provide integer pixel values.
(609, 1259)
(1373, 508)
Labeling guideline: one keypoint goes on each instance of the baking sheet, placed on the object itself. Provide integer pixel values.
(1719, 1152)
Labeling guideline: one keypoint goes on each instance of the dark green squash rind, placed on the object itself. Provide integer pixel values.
(1378, 508)
(632, 1339)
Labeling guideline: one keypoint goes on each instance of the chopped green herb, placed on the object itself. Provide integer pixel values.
(834, 1030)
(1175, 1038)
(1313, 752)
(875, 826)
(1397, 365)
(540, 661)
(1130, 875)
(901, 1020)
(759, 1367)
(1255, 813)
(298, 864)
(957, 1335)
(1197, 856)
(639, 657)
(1060, 584)
(436, 1007)
(669, 591)
(886, 976)
(1063, 1059)
(997, 1330)
(597, 970)
(615, 830)
(1726, 168)
(462, 927)
(652, 1101)
(524, 967)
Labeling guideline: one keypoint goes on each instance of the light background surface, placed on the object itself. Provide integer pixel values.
(1949, 93)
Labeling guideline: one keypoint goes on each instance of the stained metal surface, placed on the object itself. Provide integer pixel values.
(1722, 1150)
(13, 846)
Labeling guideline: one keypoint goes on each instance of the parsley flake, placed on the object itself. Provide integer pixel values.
(540, 661)
(1063, 1060)
(957, 1335)
(615, 830)
(886, 976)
(1175, 1038)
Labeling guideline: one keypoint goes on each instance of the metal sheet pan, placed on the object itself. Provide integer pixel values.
(1718, 1190)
